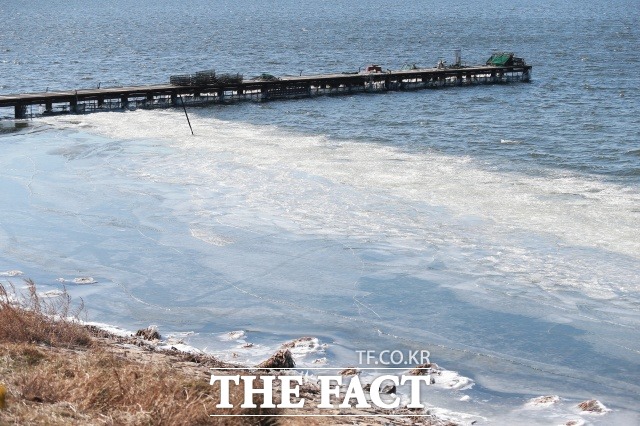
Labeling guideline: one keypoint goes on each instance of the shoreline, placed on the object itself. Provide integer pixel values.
(139, 351)
(43, 332)
(196, 361)
(55, 369)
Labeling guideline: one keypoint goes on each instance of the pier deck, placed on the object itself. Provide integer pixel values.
(168, 95)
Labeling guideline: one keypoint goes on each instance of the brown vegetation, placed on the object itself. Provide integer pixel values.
(27, 318)
(55, 371)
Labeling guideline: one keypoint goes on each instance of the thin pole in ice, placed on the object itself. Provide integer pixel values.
(187, 115)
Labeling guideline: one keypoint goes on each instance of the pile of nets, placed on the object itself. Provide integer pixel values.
(266, 77)
(409, 67)
(205, 78)
(182, 80)
(505, 59)
(225, 79)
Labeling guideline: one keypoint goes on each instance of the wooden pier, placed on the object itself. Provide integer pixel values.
(169, 95)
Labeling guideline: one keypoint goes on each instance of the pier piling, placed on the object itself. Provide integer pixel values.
(20, 111)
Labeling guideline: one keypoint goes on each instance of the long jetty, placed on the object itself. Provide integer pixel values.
(261, 89)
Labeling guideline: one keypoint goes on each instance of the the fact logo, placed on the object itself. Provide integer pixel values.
(330, 386)
(336, 391)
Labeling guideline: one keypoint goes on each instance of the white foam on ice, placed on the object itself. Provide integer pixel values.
(84, 280)
(12, 273)
(543, 401)
(233, 335)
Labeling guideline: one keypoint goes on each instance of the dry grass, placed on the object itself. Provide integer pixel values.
(28, 318)
(52, 387)
(55, 373)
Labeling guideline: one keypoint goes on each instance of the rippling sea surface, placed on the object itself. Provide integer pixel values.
(495, 226)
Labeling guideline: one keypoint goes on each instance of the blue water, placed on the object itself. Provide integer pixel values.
(496, 226)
